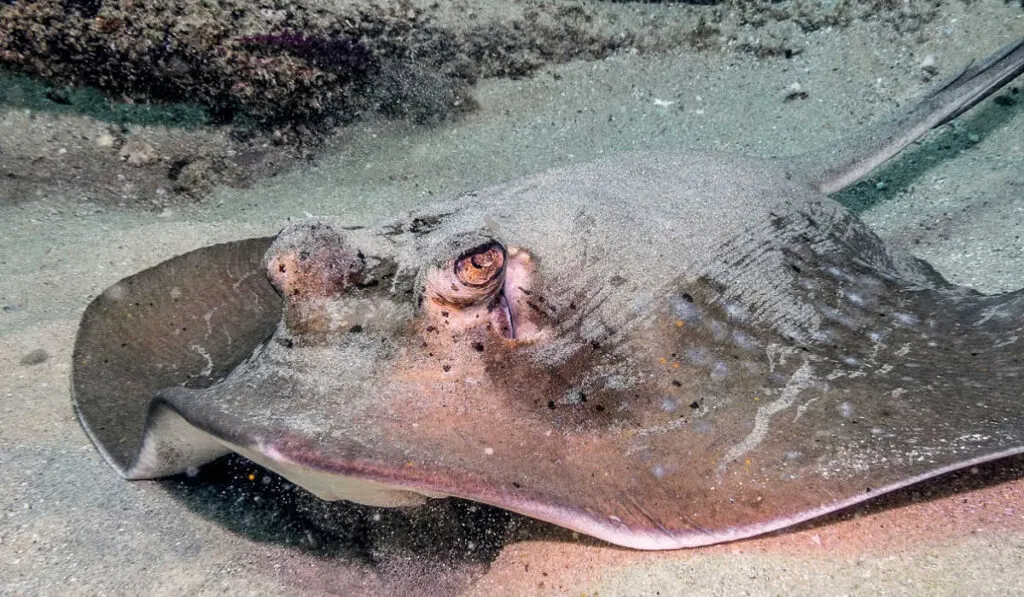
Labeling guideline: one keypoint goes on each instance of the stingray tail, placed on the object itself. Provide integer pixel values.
(866, 153)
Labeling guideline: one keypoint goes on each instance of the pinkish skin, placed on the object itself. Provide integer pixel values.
(504, 311)
(497, 306)
(308, 272)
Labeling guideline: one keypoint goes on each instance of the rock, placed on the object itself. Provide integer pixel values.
(138, 153)
(795, 92)
(105, 140)
(35, 357)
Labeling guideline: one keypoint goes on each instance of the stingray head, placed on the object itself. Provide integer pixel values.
(470, 287)
(433, 329)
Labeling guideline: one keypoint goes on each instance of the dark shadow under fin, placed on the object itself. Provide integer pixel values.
(185, 322)
(861, 155)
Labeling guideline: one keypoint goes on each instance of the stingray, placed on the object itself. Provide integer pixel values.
(660, 350)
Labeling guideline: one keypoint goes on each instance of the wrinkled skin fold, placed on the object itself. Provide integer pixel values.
(659, 350)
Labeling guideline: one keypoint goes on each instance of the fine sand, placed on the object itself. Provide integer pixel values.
(70, 525)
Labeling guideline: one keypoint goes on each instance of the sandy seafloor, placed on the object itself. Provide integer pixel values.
(69, 525)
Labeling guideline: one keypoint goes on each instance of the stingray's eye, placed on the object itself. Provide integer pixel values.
(473, 277)
(481, 266)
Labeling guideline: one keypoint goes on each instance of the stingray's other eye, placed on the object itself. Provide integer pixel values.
(475, 276)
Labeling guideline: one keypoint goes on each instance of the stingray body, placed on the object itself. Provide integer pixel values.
(659, 350)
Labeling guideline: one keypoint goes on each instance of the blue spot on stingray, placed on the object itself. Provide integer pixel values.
(854, 298)
(825, 335)
(685, 310)
(658, 471)
(701, 426)
(668, 405)
(719, 330)
(736, 312)
(719, 371)
(696, 356)
(828, 312)
(837, 316)
(744, 341)
(905, 318)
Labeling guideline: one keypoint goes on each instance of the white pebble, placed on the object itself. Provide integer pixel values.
(930, 64)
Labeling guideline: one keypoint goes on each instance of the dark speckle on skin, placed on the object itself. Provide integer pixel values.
(617, 281)
(35, 357)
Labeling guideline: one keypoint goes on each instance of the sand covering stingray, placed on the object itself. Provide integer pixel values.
(659, 350)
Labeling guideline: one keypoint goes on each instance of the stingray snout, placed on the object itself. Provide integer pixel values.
(312, 266)
(312, 260)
